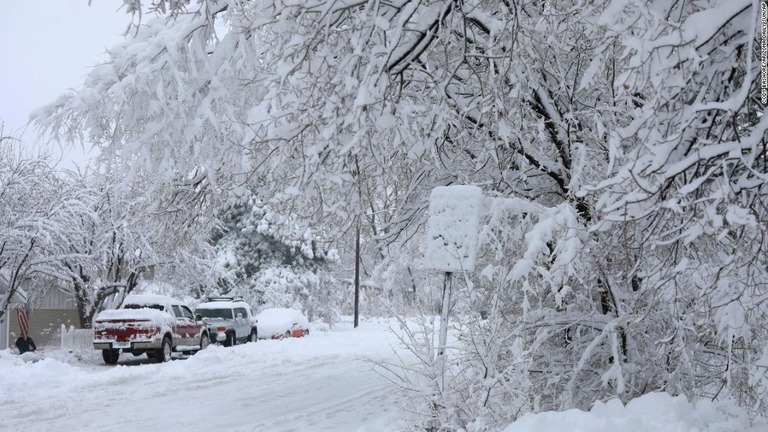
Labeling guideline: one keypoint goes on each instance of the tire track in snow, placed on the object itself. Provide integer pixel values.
(359, 396)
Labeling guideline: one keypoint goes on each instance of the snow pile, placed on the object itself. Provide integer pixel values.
(17, 370)
(655, 412)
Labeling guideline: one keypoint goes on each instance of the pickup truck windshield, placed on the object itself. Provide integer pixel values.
(144, 306)
(215, 313)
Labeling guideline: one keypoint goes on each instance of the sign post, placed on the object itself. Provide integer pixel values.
(444, 313)
(454, 215)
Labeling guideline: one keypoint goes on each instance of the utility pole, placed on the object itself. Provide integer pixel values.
(357, 274)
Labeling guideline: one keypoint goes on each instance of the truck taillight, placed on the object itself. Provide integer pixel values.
(221, 329)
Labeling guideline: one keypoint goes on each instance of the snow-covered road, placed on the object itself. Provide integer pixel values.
(324, 382)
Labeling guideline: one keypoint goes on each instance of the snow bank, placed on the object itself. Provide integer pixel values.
(16, 370)
(657, 412)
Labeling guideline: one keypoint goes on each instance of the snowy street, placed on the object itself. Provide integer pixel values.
(323, 382)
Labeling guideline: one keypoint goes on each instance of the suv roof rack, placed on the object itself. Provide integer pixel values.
(224, 298)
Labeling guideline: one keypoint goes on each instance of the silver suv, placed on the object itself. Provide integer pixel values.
(229, 319)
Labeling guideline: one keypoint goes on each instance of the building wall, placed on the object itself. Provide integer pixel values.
(3, 331)
(51, 308)
(53, 298)
(44, 325)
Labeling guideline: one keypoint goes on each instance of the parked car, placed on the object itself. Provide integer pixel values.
(230, 320)
(153, 324)
(278, 323)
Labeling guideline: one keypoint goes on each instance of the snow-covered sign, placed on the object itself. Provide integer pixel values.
(454, 214)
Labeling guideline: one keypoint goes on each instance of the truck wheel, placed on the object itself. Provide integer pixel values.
(204, 342)
(110, 356)
(254, 336)
(163, 355)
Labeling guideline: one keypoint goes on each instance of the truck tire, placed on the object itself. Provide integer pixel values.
(204, 341)
(254, 336)
(110, 356)
(163, 355)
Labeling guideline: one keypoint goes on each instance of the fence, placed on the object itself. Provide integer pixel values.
(76, 339)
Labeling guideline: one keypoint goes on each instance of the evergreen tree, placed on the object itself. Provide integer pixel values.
(271, 260)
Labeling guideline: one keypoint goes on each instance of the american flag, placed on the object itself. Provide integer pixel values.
(21, 314)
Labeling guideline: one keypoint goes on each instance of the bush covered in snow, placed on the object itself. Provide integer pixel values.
(270, 260)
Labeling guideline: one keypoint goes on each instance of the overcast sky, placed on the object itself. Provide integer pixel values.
(48, 46)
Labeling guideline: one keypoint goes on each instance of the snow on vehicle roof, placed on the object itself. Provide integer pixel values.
(125, 314)
(276, 321)
(149, 299)
(278, 312)
(221, 305)
(280, 315)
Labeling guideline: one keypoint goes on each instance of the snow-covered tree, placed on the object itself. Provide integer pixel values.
(692, 179)
(33, 219)
(116, 240)
(622, 139)
(271, 260)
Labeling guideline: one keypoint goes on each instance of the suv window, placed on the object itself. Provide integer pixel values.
(241, 311)
(177, 311)
(215, 313)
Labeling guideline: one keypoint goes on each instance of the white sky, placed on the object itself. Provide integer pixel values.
(46, 47)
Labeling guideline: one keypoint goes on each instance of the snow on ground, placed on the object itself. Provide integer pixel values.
(318, 383)
(324, 382)
(655, 412)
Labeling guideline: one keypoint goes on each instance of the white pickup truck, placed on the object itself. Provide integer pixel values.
(153, 324)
